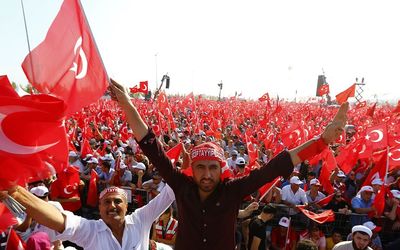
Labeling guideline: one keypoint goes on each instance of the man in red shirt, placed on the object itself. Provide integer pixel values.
(283, 237)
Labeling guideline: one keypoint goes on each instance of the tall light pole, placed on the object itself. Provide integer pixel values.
(220, 88)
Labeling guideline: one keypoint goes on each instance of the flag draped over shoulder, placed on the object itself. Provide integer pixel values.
(67, 63)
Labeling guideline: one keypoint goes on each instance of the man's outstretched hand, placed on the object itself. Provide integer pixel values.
(118, 92)
(334, 129)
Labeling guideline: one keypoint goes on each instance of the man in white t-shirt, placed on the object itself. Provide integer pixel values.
(293, 195)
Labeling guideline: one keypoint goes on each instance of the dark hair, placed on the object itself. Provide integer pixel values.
(106, 164)
(306, 245)
(269, 209)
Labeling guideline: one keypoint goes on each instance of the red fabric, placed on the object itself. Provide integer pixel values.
(379, 170)
(323, 90)
(326, 216)
(7, 218)
(397, 108)
(343, 96)
(280, 240)
(67, 186)
(264, 97)
(86, 149)
(361, 104)
(325, 201)
(394, 157)
(14, 242)
(92, 197)
(142, 88)
(189, 101)
(6, 88)
(67, 63)
(377, 136)
(379, 203)
(174, 153)
(33, 138)
(328, 165)
(267, 187)
(253, 155)
(371, 110)
(316, 147)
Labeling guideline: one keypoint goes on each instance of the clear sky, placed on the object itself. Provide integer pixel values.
(253, 47)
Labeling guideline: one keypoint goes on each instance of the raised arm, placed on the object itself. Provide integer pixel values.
(330, 134)
(120, 94)
(41, 211)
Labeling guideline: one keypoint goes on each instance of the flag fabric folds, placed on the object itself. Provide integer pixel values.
(343, 96)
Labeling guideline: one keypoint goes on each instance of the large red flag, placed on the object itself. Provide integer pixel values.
(67, 63)
(92, 197)
(343, 96)
(329, 164)
(394, 157)
(321, 218)
(253, 155)
(7, 218)
(325, 201)
(379, 170)
(371, 110)
(378, 203)
(14, 242)
(267, 187)
(67, 186)
(33, 142)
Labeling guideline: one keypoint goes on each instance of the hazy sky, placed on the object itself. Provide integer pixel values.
(252, 46)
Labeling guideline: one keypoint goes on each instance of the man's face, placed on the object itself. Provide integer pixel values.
(360, 241)
(366, 195)
(206, 174)
(294, 187)
(336, 238)
(315, 188)
(113, 208)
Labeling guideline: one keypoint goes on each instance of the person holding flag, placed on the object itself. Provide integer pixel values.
(207, 206)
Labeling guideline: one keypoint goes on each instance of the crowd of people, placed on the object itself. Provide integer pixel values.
(208, 196)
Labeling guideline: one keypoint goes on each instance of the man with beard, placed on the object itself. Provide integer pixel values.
(361, 239)
(208, 207)
(114, 231)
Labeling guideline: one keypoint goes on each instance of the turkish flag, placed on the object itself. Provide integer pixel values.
(371, 110)
(343, 96)
(325, 201)
(264, 97)
(376, 136)
(253, 155)
(394, 157)
(67, 63)
(142, 88)
(321, 218)
(267, 187)
(7, 218)
(397, 108)
(174, 153)
(33, 142)
(67, 186)
(323, 90)
(92, 197)
(378, 203)
(361, 104)
(379, 170)
(6, 88)
(14, 242)
(189, 101)
(328, 165)
(85, 148)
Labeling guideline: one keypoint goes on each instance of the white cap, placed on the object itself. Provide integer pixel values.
(361, 228)
(377, 181)
(234, 152)
(88, 156)
(315, 182)
(367, 189)
(341, 174)
(240, 161)
(372, 226)
(122, 165)
(295, 180)
(93, 160)
(140, 166)
(40, 191)
(396, 193)
(107, 157)
(284, 222)
(72, 154)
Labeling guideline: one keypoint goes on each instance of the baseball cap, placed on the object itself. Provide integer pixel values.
(367, 189)
(361, 228)
(93, 160)
(377, 181)
(40, 191)
(396, 193)
(234, 152)
(295, 180)
(284, 222)
(240, 161)
(72, 154)
(374, 228)
(341, 174)
(315, 182)
(140, 166)
(107, 157)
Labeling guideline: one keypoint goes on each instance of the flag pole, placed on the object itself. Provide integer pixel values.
(287, 233)
(387, 164)
(94, 41)
(29, 45)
